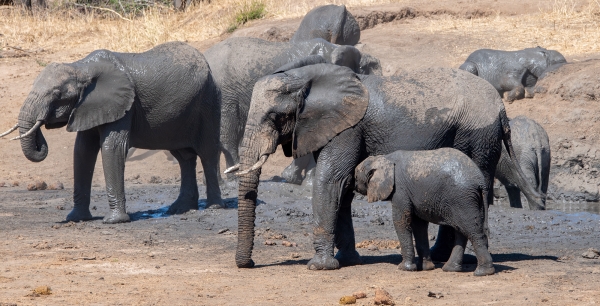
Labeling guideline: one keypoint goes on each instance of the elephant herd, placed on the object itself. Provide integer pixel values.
(431, 140)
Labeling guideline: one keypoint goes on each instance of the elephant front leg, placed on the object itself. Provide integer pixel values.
(188, 191)
(344, 231)
(455, 262)
(402, 216)
(87, 145)
(114, 151)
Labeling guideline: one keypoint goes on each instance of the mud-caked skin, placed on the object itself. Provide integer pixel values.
(532, 148)
(341, 118)
(441, 186)
(238, 62)
(331, 22)
(164, 98)
(513, 73)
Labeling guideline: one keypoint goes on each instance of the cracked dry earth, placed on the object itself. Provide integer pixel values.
(189, 259)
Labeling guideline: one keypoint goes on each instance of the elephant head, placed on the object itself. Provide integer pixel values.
(302, 109)
(544, 61)
(361, 63)
(375, 178)
(80, 95)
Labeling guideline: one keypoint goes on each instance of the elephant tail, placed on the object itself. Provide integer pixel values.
(534, 198)
(469, 67)
(484, 196)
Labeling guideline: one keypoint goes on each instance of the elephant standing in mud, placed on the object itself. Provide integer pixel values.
(341, 118)
(513, 73)
(532, 148)
(442, 186)
(238, 62)
(164, 98)
(331, 22)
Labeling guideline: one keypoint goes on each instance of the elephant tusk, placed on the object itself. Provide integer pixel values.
(260, 163)
(233, 168)
(35, 127)
(10, 131)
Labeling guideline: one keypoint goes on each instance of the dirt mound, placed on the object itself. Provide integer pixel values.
(574, 81)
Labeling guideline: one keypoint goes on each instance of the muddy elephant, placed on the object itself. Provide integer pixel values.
(238, 62)
(532, 148)
(342, 118)
(164, 98)
(331, 22)
(513, 73)
(442, 186)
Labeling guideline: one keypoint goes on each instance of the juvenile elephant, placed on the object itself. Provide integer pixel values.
(532, 148)
(513, 73)
(342, 118)
(442, 186)
(331, 22)
(238, 62)
(164, 98)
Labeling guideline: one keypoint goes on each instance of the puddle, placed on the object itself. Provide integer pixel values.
(149, 214)
(574, 207)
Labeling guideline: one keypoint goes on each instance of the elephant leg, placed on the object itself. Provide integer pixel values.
(344, 232)
(403, 218)
(514, 196)
(518, 92)
(293, 172)
(115, 144)
(455, 262)
(485, 265)
(529, 92)
(188, 191)
(419, 227)
(209, 157)
(87, 145)
(444, 244)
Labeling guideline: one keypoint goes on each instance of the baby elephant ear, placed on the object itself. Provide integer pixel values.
(381, 183)
(107, 95)
(333, 100)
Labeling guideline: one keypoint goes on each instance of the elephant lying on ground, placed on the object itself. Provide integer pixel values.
(442, 186)
(331, 22)
(238, 62)
(164, 98)
(532, 148)
(513, 73)
(342, 118)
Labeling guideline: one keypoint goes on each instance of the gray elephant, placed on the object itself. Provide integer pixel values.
(238, 62)
(164, 98)
(513, 73)
(331, 22)
(341, 118)
(532, 148)
(442, 186)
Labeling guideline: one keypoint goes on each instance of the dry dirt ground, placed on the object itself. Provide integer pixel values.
(188, 259)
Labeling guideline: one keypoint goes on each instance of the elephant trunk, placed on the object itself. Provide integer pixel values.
(33, 143)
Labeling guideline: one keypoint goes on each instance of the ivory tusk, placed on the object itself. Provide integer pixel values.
(233, 168)
(260, 163)
(10, 131)
(35, 127)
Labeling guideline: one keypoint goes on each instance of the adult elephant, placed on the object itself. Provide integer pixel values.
(331, 22)
(513, 73)
(342, 118)
(532, 148)
(164, 98)
(238, 62)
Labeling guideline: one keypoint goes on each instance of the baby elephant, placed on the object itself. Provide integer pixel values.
(442, 186)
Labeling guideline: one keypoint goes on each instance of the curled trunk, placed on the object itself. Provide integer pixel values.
(34, 146)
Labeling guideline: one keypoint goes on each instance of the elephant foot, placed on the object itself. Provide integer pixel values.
(79, 214)
(407, 265)
(428, 265)
(484, 270)
(348, 258)
(244, 264)
(323, 262)
(116, 217)
(452, 267)
(182, 206)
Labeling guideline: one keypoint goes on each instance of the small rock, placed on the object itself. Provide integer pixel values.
(437, 295)
(372, 247)
(269, 242)
(288, 244)
(359, 295)
(42, 290)
(382, 297)
(2, 184)
(106, 233)
(60, 207)
(591, 253)
(346, 300)
(56, 186)
(295, 255)
(155, 180)
(15, 183)
(221, 231)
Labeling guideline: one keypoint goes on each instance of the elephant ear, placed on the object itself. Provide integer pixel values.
(333, 100)
(381, 178)
(107, 95)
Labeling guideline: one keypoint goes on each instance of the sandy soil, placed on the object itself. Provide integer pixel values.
(188, 259)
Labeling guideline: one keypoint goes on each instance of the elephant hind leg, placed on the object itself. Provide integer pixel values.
(454, 263)
(518, 92)
(188, 191)
(209, 157)
(514, 196)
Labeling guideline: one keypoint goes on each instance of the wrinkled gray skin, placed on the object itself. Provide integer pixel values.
(331, 22)
(442, 186)
(238, 62)
(342, 118)
(532, 148)
(513, 73)
(164, 98)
